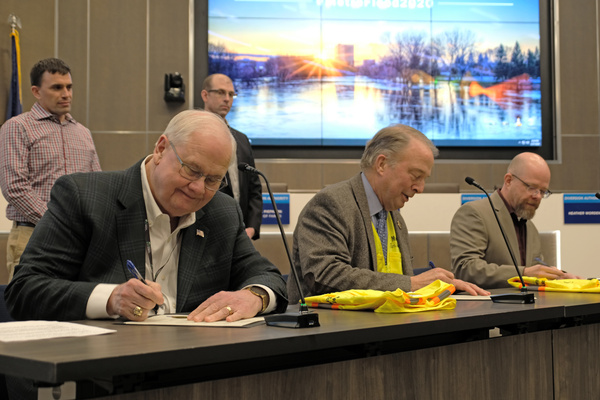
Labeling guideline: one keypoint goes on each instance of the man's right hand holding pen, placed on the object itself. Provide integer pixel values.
(135, 298)
(543, 270)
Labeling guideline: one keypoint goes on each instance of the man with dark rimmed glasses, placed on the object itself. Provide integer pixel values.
(477, 248)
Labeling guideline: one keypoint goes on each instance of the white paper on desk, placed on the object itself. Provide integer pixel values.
(181, 320)
(19, 331)
(469, 297)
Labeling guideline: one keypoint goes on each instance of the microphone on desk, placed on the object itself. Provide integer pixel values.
(521, 298)
(304, 318)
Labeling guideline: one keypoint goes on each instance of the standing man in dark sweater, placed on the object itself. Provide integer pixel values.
(218, 94)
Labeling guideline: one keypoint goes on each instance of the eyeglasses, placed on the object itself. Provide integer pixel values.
(210, 182)
(223, 93)
(533, 190)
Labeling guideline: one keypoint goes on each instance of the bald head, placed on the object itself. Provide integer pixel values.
(525, 163)
(528, 175)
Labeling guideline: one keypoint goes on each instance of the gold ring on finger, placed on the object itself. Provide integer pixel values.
(137, 311)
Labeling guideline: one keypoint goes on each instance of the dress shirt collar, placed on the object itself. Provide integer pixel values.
(40, 113)
(374, 203)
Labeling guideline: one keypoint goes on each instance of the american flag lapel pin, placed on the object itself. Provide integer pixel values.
(199, 232)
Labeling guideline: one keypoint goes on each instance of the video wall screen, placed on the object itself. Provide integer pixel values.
(471, 75)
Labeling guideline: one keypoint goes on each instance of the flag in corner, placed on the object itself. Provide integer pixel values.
(14, 106)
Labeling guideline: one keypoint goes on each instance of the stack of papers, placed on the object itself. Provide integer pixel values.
(181, 320)
(20, 331)
(469, 297)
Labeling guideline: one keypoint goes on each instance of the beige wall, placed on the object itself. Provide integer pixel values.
(120, 50)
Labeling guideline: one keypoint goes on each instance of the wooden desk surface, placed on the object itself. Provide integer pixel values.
(141, 349)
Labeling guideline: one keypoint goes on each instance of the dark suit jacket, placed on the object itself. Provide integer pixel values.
(478, 251)
(250, 187)
(334, 245)
(95, 223)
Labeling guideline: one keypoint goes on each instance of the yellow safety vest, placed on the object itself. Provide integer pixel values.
(394, 258)
(557, 285)
(435, 296)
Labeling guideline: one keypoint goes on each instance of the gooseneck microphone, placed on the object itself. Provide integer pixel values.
(520, 298)
(304, 318)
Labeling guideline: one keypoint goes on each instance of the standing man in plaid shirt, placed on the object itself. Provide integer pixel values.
(36, 148)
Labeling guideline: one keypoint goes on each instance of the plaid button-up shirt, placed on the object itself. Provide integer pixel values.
(35, 150)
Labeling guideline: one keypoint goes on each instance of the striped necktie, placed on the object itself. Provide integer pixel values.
(381, 229)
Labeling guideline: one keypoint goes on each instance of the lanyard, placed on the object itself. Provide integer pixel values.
(149, 251)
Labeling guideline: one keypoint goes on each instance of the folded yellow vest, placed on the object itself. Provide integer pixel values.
(557, 285)
(435, 296)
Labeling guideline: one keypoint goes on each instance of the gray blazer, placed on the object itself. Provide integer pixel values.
(334, 246)
(477, 249)
(95, 222)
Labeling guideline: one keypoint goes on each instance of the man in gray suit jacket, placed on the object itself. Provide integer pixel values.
(478, 251)
(335, 244)
(164, 214)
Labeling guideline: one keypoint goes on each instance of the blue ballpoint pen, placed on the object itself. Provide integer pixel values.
(539, 260)
(134, 271)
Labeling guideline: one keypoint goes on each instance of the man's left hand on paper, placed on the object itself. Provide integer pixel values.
(230, 306)
(470, 288)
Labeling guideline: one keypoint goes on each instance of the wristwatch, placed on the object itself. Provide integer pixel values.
(262, 293)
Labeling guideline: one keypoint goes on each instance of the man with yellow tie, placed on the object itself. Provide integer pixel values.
(351, 234)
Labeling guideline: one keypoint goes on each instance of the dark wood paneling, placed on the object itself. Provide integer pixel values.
(478, 370)
(577, 365)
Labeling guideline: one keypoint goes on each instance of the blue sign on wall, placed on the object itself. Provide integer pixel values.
(581, 208)
(465, 198)
(282, 200)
